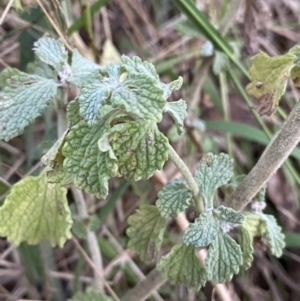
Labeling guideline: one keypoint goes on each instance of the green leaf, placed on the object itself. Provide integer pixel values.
(202, 232)
(230, 216)
(41, 69)
(54, 155)
(296, 52)
(83, 70)
(24, 99)
(52, 52)
(36, 210)
(177, 109)
(140, 96)
(90, 295)
(59, 175)
(141, 149)
(135, 65)
(54, 159)
(213, 172)
(95, 94)
(247, 247)
(175, 197)
(182, 265)
(224, 258)
(273, 234)
(73, 111)
(269, 76)
(174, 85)
(260, 224)
(254, 224)
(295, 75)
(6, 74)
(90, 167)
(146, 231)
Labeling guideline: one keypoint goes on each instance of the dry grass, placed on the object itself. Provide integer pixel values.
(148, 29)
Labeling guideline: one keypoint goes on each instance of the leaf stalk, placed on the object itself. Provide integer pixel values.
(173, 156)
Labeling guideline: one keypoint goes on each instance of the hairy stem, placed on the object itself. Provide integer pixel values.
(273, 157)
(188, 177)
(62, 125)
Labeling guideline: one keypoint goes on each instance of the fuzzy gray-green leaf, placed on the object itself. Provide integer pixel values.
(182, 265)
(6, 74)
(140, 96)
(224, 258)
(175, 197)
(96, 92)
(213, 172)
(36, 210)
(73, 112)
(141, 149)
(273, 234)
(91, 167)
(254, 224)
(135, 65)
(91, 98)
(174, 85)
(22, 101)
(177, 109)
(229, 215)
(146, 231)
(83, 70)
(52, 52)
(202, 232)
(246, 242)
(53, 155)
(40, 68)
(54, 159)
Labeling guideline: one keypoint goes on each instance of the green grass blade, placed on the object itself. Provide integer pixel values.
(210, 88)
(244, 131)
(204, 26)
(292, 240)
(82, 20)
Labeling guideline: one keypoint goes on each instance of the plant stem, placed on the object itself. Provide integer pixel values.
(188, 177)
(273, 157)
(62, 125)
